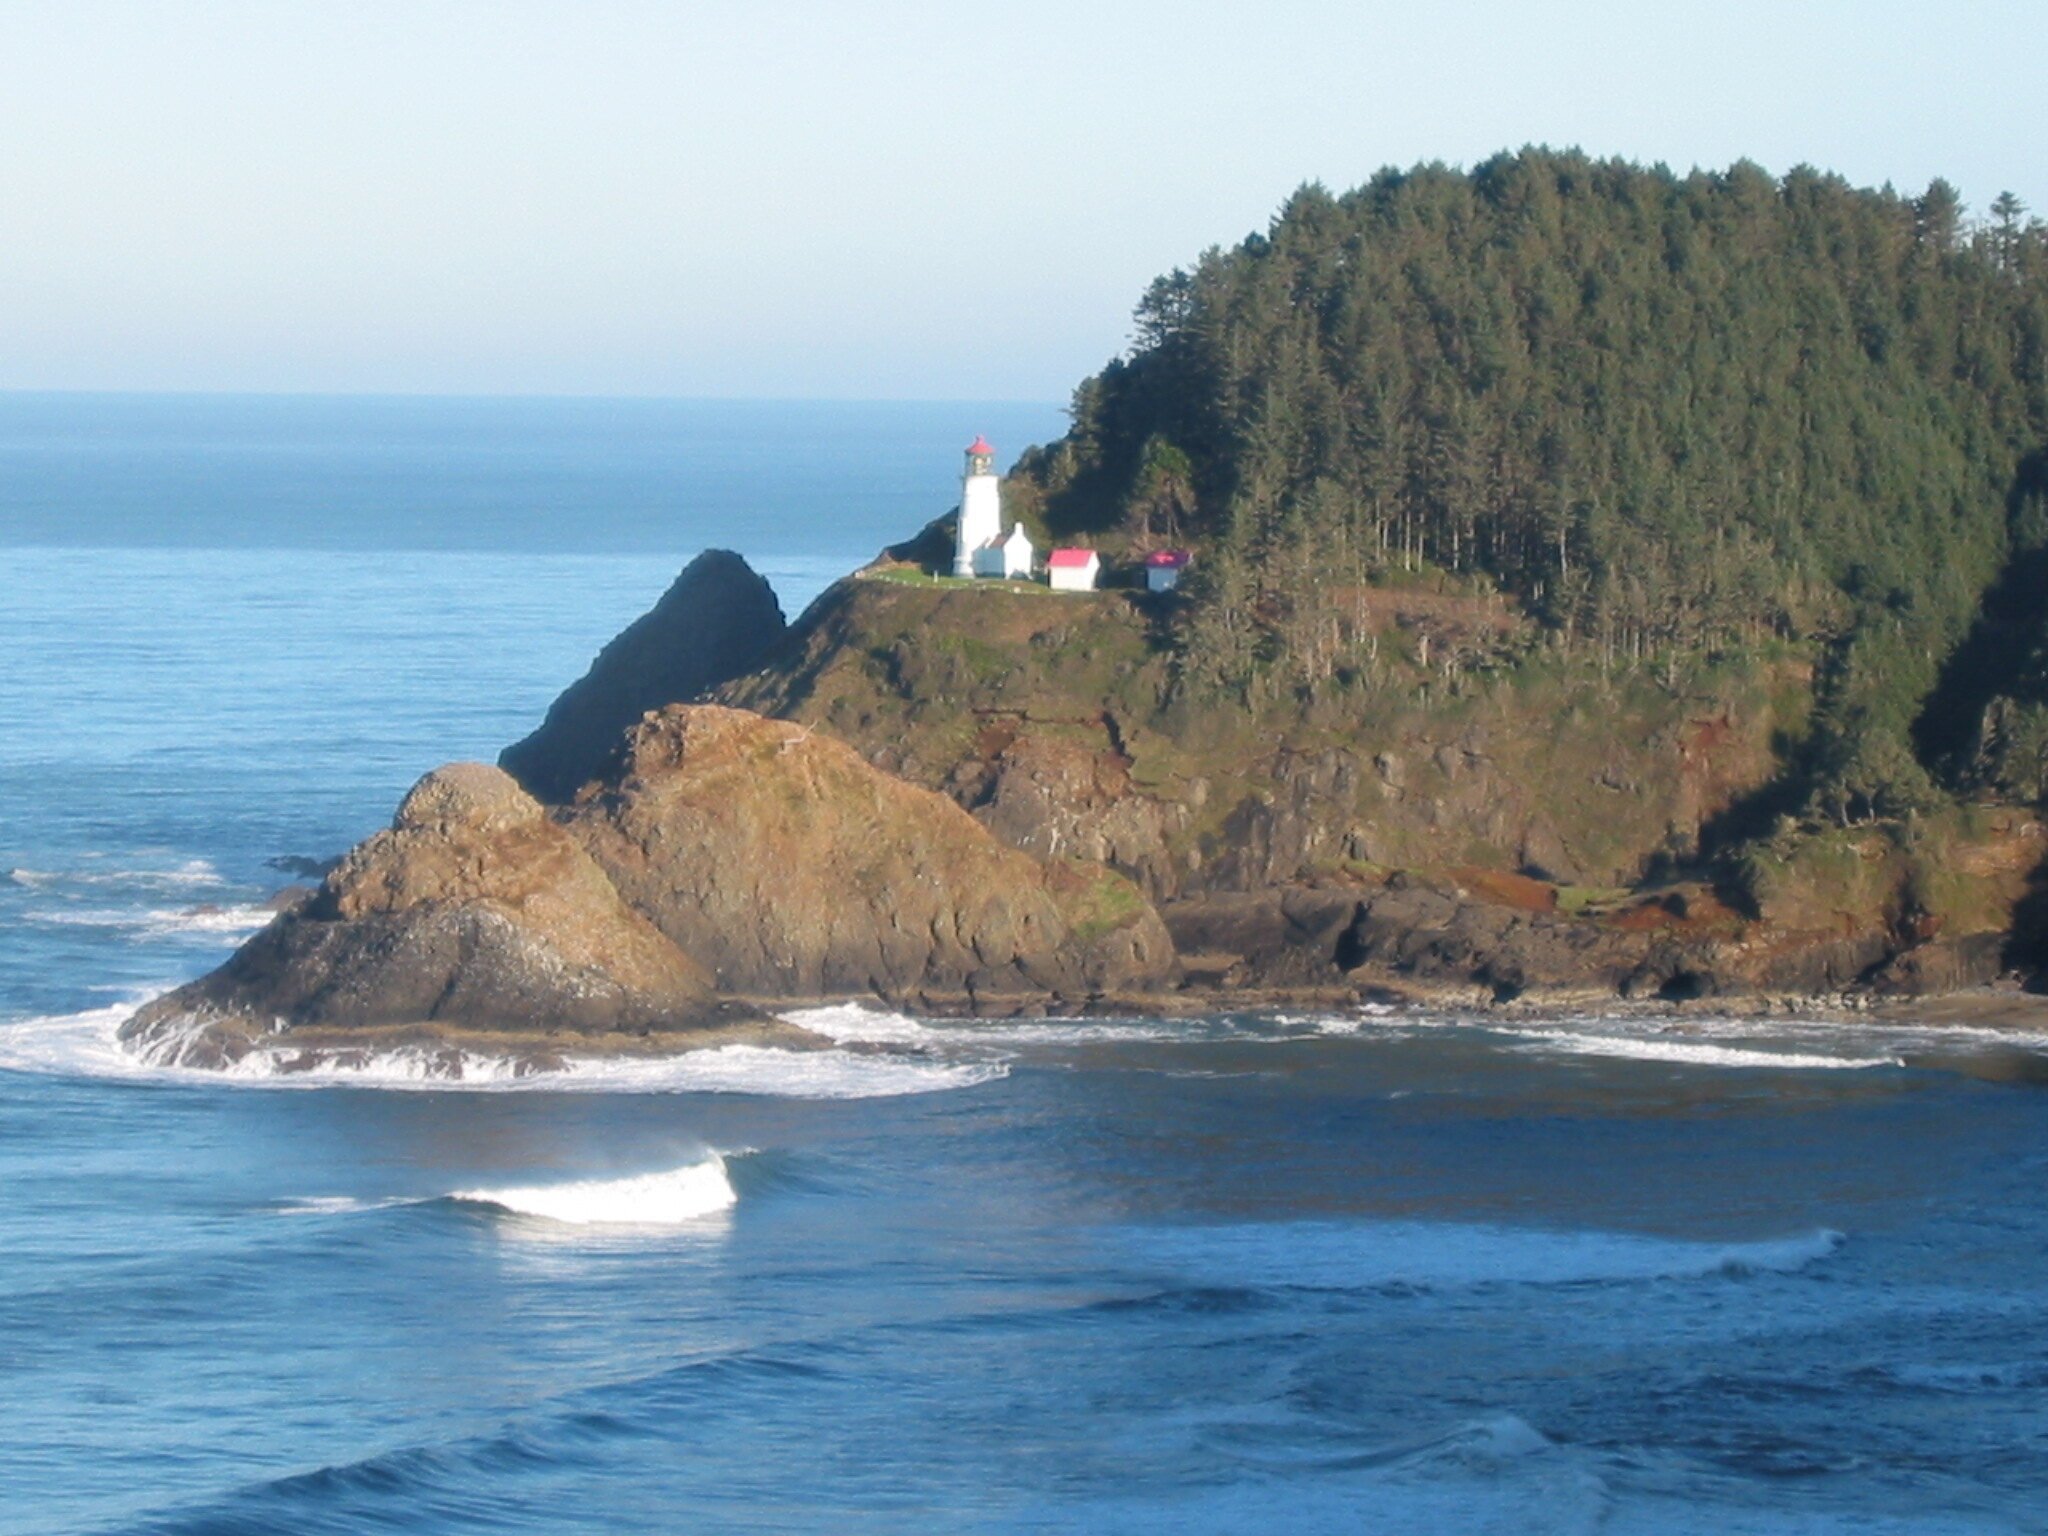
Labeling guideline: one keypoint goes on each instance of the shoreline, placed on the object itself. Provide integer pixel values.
(450, 1052)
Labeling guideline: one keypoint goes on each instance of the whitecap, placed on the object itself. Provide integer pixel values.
(83, 1044)
(860, 1024)
(192, 873)
(864, 1024)
(1693, 1053)
(669, 1198)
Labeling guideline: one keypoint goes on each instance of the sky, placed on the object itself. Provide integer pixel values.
(873, 200)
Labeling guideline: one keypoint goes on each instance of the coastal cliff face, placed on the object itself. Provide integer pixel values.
(791, 867)
(1527, 824)
(714, 622)
(472, 912)
(1055, 721)
(721, 854)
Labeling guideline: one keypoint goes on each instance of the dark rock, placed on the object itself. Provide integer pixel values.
(1274, 938)
(1943, 965)
(717, 620)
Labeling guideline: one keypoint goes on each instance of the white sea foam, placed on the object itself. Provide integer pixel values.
(782, 1074)
(87, 1045)
(860, 1024)
(1696, 1053)
(190, 874)
(1352, 1021)
(863, 1024)
(669, 1198)
(1709, 1045)
(1343, 1256)
(333, 1205)
(73, 1044)
(229, 923)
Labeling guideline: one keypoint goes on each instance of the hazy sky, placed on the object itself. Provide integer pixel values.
(875, 199)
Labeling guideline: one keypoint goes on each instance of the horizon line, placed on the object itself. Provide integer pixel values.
(18, 392)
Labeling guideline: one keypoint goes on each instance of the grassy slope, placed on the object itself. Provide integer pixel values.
(932, 679)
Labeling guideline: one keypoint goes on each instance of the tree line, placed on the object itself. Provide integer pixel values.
(1673, 415)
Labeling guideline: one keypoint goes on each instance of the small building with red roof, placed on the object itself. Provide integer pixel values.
(1073, 570)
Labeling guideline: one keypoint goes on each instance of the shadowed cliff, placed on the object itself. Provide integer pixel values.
(712, 624)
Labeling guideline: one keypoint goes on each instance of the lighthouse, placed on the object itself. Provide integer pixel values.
(981, 507)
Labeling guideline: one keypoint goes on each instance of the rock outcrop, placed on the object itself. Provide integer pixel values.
(473, 913)
(723, 854)
(791, 867)
(714, 622)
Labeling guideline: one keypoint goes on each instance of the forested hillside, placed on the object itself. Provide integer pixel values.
(1678, 418)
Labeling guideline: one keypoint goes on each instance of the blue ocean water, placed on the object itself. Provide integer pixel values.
(1347, 1272)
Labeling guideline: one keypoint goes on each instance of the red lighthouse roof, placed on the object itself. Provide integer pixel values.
(980, 445)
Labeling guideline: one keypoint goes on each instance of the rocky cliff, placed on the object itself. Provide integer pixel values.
(713, 623)
(791, 867)
(472, 914)
(1494, 815)
(1058, 722)
(721, 854)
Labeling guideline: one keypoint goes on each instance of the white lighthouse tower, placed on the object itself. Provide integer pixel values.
(981, 507)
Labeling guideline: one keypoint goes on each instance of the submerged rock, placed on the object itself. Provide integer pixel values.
(473, 911)
(714, 622)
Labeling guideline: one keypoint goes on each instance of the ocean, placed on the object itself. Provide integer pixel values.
(1363, 1270)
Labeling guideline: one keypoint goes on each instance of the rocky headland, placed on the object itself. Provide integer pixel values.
(713, 864)
(982, 800)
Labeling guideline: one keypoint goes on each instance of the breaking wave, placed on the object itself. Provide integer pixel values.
(332, 1205)
(664, 1199)
(87, 1044)
(864, 1024)
(1692, 1053)
(230, 922)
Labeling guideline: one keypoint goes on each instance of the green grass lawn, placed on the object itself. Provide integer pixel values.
(897, 576)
